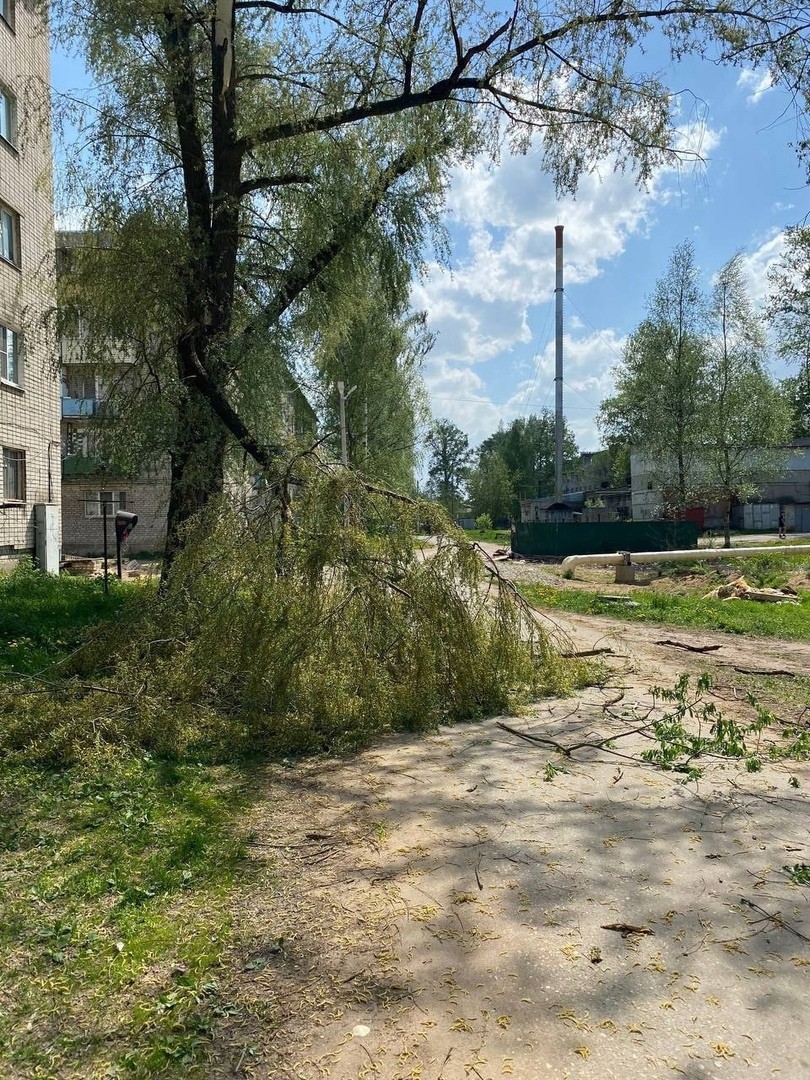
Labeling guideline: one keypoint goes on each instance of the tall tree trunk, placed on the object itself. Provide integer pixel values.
(727, 540)
(197, 469)
(681, 482)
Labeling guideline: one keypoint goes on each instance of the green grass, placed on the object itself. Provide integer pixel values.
(666, 609)
(489, 536)
(116, 882)
(42, 617)
(113, 916)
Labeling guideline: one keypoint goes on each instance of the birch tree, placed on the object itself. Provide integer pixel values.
(745, 419)
(660, 380)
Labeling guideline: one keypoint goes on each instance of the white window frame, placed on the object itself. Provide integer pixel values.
(9, 235)
(94, 505)
(10, 346)
(8, 116)
(18, 464)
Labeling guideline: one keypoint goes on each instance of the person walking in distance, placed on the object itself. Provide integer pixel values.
(781, 524)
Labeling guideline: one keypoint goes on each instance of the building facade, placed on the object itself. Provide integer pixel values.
(29, 383)
(788, 494)
(96, 379)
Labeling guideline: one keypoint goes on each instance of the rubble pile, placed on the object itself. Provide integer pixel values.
(739, 589)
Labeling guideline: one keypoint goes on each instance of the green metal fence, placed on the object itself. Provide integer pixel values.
(557, 539)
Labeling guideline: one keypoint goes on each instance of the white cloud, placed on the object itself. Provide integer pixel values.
(759, 261)
(484, 310)
(459, 393)
(756, 82)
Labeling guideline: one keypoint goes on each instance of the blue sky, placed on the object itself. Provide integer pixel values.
(492, 311)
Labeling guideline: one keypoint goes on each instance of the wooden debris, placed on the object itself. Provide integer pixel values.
(762, 671)
(78, 566)
(739, 589)
(626, 929)
(691, 648)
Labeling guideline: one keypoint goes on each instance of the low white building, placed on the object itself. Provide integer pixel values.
(790, 494)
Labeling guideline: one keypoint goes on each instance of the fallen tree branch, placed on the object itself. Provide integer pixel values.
(626, 929)
(586, 744)
(58, 687)
(762, 671)
(690, 648)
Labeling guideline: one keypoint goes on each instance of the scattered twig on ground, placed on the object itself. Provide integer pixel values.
(775, 918)
(688, 647)
(762, 671)
(53, 687)
(626, 929)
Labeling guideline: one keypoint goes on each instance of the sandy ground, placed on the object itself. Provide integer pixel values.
(440, 910)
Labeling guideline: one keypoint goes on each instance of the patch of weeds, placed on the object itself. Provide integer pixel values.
(114, 915)
(771, 570)
(669, 609)
(799, 873)
(42, 617)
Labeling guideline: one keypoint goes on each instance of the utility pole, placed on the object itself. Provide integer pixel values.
(558, 369)
(344, 443)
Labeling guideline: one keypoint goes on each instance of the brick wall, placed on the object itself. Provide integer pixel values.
(29, 413)
(83, 535)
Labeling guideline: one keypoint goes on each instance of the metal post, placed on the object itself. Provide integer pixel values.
(106, 565)
(558, 369)
(118, 556)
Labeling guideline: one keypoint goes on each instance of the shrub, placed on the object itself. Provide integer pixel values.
(483, 523)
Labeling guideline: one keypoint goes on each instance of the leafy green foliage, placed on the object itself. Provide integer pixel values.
(491, 487)
(376, 349)
(42, 616)
(744, 418)
(694, 394)
(483, 523)
(280, 636)
(449, 464)
(693, 727)
(799, 873)
(517, 462)
(659, 382)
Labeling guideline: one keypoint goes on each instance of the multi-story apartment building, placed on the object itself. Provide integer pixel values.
(29, 383)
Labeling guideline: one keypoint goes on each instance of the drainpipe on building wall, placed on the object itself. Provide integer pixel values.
(50, 470)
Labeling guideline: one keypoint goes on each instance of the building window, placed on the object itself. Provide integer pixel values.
(13, 475)
(7, 11)
(8, 116)
(10, 359)
(94, 503)
(9, 235)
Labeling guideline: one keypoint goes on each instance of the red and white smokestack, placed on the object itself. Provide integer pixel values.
(558, 369)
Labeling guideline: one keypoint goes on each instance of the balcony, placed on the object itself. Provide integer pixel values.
(73, 407)
(79, 465)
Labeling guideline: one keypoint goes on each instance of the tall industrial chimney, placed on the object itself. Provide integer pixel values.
(558, 371)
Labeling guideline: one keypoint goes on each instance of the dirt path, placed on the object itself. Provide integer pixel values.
(438, 909)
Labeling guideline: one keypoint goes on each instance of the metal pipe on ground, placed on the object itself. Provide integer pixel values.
(624, 561)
